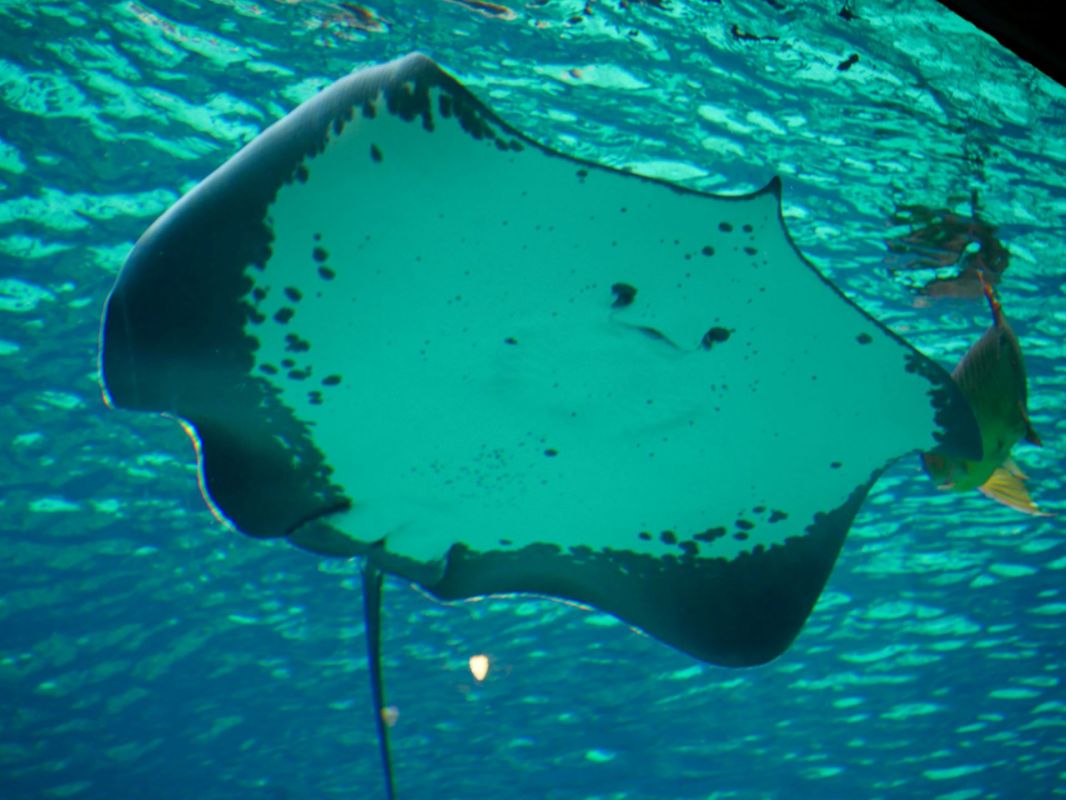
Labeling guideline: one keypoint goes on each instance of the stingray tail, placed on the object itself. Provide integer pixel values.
(372, 585)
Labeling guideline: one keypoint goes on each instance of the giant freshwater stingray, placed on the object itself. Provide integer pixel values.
(398, 329)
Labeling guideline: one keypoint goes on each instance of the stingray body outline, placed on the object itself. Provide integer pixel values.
(673, 413)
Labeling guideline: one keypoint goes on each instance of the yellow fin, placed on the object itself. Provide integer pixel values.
(1006, 486)
(1012, 467)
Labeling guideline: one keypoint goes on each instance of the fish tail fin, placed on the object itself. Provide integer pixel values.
(1012, 467)
(990, 296)
(1007, 486)
(373, 579)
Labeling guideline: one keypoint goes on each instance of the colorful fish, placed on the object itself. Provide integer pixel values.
(992, 377)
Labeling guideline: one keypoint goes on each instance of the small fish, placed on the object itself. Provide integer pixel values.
(992, 377)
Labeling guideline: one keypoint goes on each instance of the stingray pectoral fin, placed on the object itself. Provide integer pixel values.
(394, 321)
(737, 612)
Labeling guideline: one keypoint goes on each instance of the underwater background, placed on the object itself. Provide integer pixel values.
(148, 652)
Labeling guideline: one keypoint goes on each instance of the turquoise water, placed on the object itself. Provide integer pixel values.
(146, 651)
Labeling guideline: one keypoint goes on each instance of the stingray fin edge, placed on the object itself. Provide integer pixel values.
(735, 613)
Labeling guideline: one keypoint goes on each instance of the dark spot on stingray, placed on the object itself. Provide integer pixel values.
(268, 369)
(506, 542)
(259, 294)
(758, 509)
(848, 62)
(319, 254)
(551, 452)
(863, 338)
(301, 174)
(318, 237)
(293, 294)
(300, 374)
(651, 333)
(710, 534)
(714, 336)
(256, 317)
(623, 294)
(283, 315)
(707, 250)
(315, 398)
(740, 536)
(777, 516)
(725, 227)
(326, 273)
(338, 126)
(744, 525)
(294, 344)
(644, 535)
(750, 250)
(471, 121)
(747, 228)
(288, 363)
(689, 547)
(510, 340)
(582, 174)
(331, 380)
(668, 537)
(410, 100)
(375, 153)
(835, 465)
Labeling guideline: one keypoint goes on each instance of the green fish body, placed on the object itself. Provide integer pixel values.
(992, 378)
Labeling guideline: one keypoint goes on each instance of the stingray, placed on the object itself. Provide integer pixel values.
(399, 329)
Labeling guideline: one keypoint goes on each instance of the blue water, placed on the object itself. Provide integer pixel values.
(148, 652)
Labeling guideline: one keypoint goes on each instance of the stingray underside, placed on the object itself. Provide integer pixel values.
(401, 329)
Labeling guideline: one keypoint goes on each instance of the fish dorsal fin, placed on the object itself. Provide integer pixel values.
(1031, 435)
